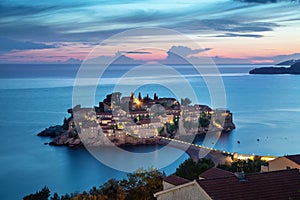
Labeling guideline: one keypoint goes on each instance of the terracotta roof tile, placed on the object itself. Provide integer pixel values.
(294, 158)
(175, 180)
(277, 185)
(215, 173)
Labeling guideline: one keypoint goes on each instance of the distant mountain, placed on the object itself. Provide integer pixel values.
(293, 69)
(289, 62)
(73, 61)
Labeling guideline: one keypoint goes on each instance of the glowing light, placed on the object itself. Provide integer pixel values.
(137, 102)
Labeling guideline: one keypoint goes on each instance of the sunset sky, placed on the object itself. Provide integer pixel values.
(230, 31)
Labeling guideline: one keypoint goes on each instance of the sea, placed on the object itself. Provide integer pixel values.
(266, 112)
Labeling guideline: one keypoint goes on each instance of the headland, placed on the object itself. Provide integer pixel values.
(130, 120)
(293, 69)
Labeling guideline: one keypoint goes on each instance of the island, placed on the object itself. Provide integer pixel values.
(293, 69)
(132, 120)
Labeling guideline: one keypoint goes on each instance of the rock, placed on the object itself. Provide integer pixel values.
(65, 140)
(59, 140)
(52, 131)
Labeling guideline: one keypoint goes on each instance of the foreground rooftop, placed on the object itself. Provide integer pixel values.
(283, 184)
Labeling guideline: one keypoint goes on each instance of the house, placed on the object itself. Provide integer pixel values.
(187, 191)
(283, 184)
(173, 180)
(284, 162)
(215, 173)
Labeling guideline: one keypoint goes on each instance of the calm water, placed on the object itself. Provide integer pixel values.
(264, 107)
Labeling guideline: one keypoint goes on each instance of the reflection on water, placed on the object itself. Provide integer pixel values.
(263, 107)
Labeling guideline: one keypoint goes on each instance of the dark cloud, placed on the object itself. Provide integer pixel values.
(186, 51)
(239, 35)
(174, 58)
(88, 22)
(259, 1)
(228, 25)
(141, 15)
(136, 52)
(223, 60)
(9, 45)
(43, 33)
(179, 54)
(28, 19)
(290, 20)
(118, 58)
(26, 22)
(280, 58)
(30, 31)
(266, 1)
(23, 9)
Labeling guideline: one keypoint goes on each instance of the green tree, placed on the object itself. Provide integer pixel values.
(247, 166)
(171, 128)
(112, 190)
(191, 170)
(142, 184)
(55, 197)
(66, 197)
(40, 195)
(204, 120)
(186, 101)
(94, 191)
(65, 125)
(204, 164)
(187, 170)
(140, 97)
(161, 132)
(155, 96)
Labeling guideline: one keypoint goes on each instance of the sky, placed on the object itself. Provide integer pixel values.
(228, 31)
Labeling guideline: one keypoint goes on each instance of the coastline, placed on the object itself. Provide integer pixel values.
(63, 135)
(293, 69)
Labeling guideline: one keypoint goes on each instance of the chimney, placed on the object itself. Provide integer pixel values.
(240, 176)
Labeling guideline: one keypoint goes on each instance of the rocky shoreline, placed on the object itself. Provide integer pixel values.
(70, 138)
(145, 123)
(63, 136)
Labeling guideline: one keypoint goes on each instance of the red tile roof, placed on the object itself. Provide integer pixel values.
(215, 173)
(294, 158)
(175, 180)
(277, 185)
(145, 121)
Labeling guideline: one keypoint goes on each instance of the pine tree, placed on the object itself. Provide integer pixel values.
(155, 96)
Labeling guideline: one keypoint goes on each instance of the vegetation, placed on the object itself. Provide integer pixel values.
(43, 194)
(191, 170)
(155, 96)
(171, 128)
(186, 101)
(204, 120)
(140, 185)
(247, 166)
